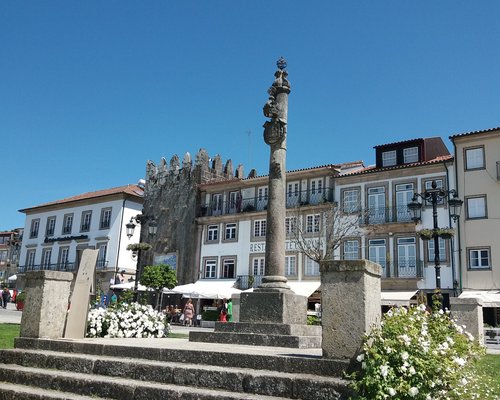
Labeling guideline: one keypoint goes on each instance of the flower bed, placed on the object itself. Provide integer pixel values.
(416, 355)
(127, 321)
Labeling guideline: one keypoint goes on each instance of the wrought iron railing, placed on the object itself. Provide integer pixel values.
(47, 267)
(244, 282)
(101, 264)
(250, 204)
(384, 215)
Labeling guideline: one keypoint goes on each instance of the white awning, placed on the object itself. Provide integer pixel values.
(12, 278)
(489, 298)
(397, 298)
(304, 288)
(129, 286)
(208, 289)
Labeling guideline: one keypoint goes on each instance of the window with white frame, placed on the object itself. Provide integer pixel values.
(210, 269)
(67, 224)
(105, 221)
(63, 257)
(46, 257)
(293, 189)
(30, 258)
(291, 225)
(377, 251)
(442, 250)
(259, 228)
(35, 225)
(212, 233)
(311, 267)
(3, 256)
(316, 186)
(85, 222)
(230, 231)
(312, 223)
(51, 226)
(476, 207)
(291, 265)
(388, 158)
(479, 258)
(410, 155)
(258, 266)
(216, 203)
(474, 158)
(228, 268)
(350, 200)
(102, 254)
(351, 250)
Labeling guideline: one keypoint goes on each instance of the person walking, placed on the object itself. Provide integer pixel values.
(229, 310)
(189, 313)
(5, 297)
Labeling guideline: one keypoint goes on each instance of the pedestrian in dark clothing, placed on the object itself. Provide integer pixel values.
(5, 297)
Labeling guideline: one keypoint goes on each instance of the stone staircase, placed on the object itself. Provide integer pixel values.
(68, 369)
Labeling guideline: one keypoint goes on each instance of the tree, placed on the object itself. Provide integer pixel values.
(319, 232)
(157, 277)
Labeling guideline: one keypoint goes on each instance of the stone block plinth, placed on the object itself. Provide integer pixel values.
(469, 312)
(351, 304)
(279, 307)
(267, 318)
(46, 305)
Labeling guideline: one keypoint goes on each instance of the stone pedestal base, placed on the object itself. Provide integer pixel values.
(46, 305)
(267, 318)
(469, 312)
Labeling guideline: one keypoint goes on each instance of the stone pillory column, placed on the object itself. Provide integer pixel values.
(350, 300)
(272, 315)
(273, 301)
(46, 306)
(275, 131)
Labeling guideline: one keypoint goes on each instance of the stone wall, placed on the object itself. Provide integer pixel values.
(172, 197)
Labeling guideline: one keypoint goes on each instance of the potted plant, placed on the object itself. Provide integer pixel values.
(425, 234)
(20, 299)
(445, 233)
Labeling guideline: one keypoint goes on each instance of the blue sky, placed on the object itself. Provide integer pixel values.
(90, 90)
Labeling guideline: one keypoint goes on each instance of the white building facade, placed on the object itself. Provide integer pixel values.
(56, 233)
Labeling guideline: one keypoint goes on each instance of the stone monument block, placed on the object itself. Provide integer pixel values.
(273, 307)
(351, 304)
(46, 306)
(469, 312)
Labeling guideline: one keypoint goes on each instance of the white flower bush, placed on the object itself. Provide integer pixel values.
(127, 321)
(416, 355)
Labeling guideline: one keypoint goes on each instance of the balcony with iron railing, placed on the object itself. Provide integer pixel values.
(101, 264)
(66, 266)
(385, 215)
(244, 282)
(251, 204)
(404, 268)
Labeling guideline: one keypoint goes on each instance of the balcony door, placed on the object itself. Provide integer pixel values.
(377, 253)
(376, 205)
(217, 204)
(404, 194)
(407, 258)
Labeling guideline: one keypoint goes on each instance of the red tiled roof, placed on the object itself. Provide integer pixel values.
(373, 168)
(326, 166)
(473, 132)
(133, 190)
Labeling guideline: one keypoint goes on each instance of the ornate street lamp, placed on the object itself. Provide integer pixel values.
(434, 196)
(152, 229)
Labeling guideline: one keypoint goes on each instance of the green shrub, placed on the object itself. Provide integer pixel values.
(210, 315)
(313, 320)
(415, 354)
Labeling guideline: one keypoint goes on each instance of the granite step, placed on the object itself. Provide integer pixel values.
(257, 339)
(10, 391)
(106, 387)
(218, 355)
(233, 380)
